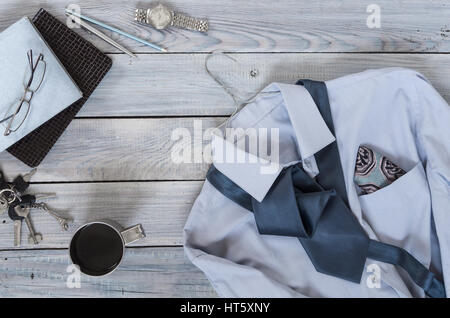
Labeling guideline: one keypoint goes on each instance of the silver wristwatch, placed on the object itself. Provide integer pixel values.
(160, 17)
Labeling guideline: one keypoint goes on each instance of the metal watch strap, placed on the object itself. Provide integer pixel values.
(190, 23)
(140, 15)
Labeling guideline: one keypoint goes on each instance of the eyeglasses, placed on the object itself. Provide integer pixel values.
(34, 76)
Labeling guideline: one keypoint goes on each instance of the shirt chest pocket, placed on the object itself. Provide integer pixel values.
(400, 213)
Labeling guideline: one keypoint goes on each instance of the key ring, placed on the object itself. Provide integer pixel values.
(14, 195)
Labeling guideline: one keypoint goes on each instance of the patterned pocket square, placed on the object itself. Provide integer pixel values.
(374, 171)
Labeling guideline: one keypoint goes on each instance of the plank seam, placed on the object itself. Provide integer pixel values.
(283, 52)
(175, 116)
(65, 248)
(116, 181)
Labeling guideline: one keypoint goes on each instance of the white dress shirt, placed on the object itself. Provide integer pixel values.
(395, 112)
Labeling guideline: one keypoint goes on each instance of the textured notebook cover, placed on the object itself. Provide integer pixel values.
(57, 92)
(86, 65)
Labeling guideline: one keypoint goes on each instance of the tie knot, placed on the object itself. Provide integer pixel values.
(293, 206)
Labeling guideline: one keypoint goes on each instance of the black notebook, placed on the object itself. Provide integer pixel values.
(86, 65)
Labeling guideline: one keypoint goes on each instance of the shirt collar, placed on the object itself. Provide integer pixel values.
(256, 175)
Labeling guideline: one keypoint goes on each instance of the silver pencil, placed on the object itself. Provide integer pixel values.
(102, 35)
(113, 29)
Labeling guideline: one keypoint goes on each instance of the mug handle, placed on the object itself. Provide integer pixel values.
(132, 234)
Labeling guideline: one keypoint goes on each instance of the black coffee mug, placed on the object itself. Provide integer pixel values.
(97, 248)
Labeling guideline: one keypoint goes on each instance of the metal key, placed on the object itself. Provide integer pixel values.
(64, 222)
(3, 203)
(17, 232)
(44, 196)
(11, 192)
(17, 225)
(24, 211)
(18, 219)
(22, 182)
(27, 176)
(3, 200)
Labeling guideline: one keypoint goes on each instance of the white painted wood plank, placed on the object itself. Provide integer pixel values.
(170, 85)
(268, 26)
(144, 272)
(116, 150)
(161, 207)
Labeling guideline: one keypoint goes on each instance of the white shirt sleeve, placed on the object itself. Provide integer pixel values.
(433, 138)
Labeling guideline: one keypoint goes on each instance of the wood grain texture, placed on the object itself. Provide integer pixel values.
(116, 150)
(161, 207)
(171, 85)
(139, 149)
(268, 26)
(144, 272)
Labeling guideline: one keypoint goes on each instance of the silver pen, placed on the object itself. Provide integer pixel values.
(102, 35)
(113, 29)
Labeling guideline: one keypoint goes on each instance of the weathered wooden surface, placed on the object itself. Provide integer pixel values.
(144, 272)
(161, 207)
(115, 150)
(270, 26)
(109, 166)
(171, 85)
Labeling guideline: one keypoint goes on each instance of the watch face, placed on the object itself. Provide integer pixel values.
(160, 16)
